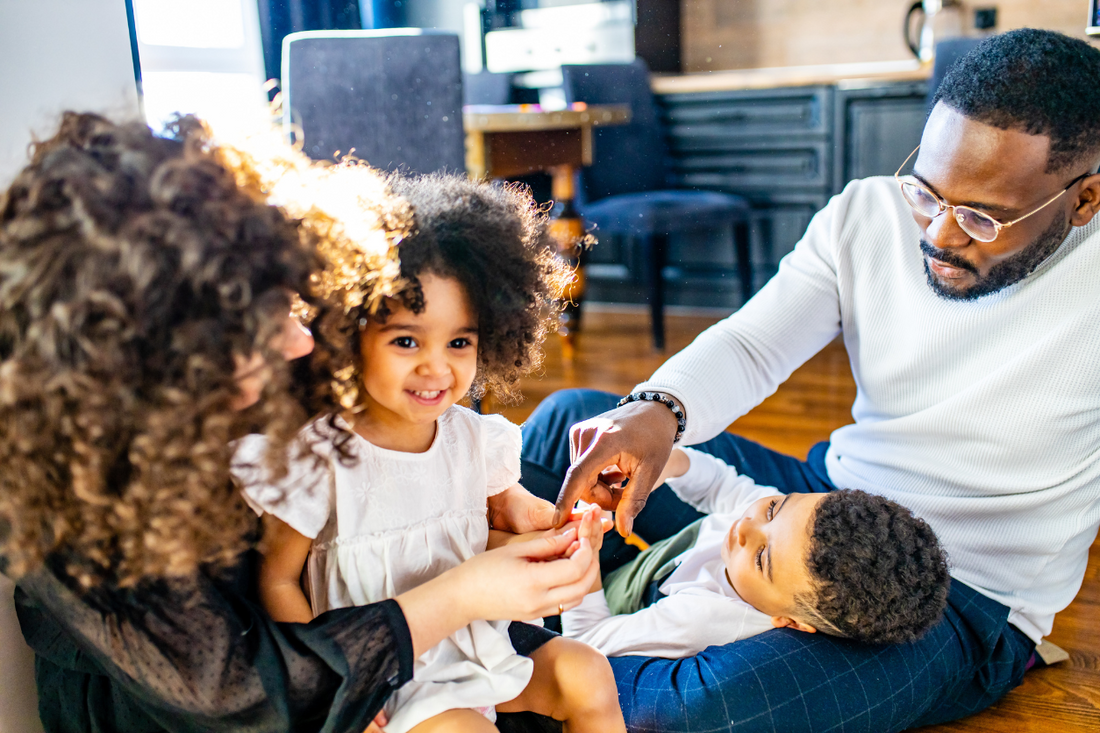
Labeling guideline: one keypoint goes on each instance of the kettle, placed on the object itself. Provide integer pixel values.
(933, 21)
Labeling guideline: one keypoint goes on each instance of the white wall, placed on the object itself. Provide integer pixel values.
(57, 55)
(54, 55)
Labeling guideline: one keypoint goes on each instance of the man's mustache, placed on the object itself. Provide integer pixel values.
(947, 258)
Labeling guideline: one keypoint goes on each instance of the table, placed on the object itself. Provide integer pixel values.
(507, 141)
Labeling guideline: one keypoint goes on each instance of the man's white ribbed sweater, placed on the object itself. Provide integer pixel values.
(982, 416)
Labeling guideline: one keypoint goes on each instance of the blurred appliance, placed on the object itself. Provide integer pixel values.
(545, 38)
(929, 22)
(393, 96)
(1093, 28)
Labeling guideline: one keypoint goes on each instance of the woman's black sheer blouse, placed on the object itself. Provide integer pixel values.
(201, 655)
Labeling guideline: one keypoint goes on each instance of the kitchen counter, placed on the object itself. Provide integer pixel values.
(844, 76)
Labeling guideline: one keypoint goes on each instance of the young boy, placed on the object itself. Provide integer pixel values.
(845, 563)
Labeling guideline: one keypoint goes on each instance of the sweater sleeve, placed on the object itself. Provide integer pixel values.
(193, 657)
(680, 625)
(714, 487)
(735, 364)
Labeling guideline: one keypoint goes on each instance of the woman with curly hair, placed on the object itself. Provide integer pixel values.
(145, 287)
(473, 303)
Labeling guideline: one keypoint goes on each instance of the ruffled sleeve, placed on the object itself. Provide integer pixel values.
(502, 443)
(302, 498)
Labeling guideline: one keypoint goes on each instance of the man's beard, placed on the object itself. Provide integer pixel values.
(1001, 275)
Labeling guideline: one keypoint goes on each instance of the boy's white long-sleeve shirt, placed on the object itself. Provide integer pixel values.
(982, 416)
(701, 608)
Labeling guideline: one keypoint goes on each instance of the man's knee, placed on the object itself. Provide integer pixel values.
(573, 405)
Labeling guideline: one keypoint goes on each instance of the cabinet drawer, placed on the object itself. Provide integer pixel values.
(799, 165)
(771, 112)
(877, 127)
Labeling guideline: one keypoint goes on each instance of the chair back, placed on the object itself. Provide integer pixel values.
(628, 158)
(486, 87)
(394, 96)
(948, 52)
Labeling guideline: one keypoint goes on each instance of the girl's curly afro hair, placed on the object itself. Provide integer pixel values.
(494, 240)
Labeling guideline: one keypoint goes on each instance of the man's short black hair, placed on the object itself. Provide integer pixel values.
(879, 573)
(1039, 82)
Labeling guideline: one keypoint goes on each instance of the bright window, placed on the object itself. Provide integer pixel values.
(190, 23)
(202, 57)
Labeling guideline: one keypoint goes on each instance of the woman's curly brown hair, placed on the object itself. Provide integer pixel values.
(494, 240)
(132, 269)
(879, 573)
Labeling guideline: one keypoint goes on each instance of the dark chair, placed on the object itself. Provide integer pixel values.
(486, 87)
(627, 189)
(395, 97)
(947, 53)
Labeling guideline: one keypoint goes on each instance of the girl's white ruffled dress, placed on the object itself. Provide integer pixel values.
(389, 521)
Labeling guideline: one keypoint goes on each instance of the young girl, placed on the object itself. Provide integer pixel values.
(397, 488)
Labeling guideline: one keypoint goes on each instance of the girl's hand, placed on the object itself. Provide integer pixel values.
(593, 526)
(592, 523)
(518, 510)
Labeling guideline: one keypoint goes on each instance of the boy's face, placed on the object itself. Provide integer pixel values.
(416, 365)
(765, 554)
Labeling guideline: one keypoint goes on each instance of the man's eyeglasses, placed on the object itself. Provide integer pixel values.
(978, 225)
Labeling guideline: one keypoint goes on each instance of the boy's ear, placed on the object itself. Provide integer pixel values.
(783, 622)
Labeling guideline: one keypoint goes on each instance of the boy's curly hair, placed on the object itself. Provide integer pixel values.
(133, 268)
(880, 574)
(494, 240)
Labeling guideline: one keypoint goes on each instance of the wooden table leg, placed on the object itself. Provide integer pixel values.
(567, 228)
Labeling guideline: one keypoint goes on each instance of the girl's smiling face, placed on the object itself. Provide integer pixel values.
(416, 365)
(765, 555)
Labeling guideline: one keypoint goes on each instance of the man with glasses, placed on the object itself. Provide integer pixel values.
(967, 291)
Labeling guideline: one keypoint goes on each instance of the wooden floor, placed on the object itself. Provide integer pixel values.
(614, 354)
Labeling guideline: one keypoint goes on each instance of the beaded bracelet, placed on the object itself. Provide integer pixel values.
(681, 421)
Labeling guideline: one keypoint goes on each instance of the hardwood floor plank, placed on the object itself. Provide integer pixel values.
(614, 354)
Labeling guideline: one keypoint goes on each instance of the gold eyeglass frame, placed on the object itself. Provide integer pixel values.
(944, 206)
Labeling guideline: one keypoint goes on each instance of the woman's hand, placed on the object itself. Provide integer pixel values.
(529, 579)
(636, 438)
(518, 581)
(377, 724)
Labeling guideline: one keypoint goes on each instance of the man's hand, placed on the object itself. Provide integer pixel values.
(517, 510)
(637, 439)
